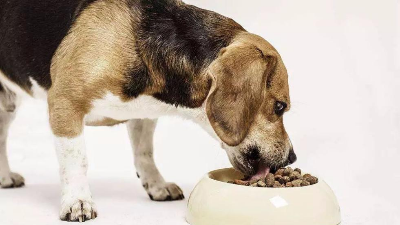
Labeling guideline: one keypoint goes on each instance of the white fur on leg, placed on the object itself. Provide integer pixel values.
(76, 201)
(141, 136)
(7, 178)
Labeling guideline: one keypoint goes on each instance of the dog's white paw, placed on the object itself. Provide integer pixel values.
(164, 192)
(78, 210)
(14, 180)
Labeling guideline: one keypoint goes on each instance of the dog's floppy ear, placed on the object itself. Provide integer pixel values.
(240, 80)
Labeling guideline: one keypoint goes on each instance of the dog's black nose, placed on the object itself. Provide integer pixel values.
(292, 156)
(253, 153)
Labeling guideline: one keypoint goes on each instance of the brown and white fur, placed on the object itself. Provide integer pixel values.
(111, 67)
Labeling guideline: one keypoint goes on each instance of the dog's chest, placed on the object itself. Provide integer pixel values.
(142, 107)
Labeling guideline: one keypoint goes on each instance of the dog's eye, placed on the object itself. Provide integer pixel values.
(280, 108)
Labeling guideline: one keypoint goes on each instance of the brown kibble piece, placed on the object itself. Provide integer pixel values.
(285, 179)
(254, 185)
(287, 171)
(297, 183)
(298, 170)
(305, 183)
(270, 180)
(277, 184)
(261, 183)
(295, 175)
(306, 175)
(289, 184)
(280, 171)
(281, 180)
(277, 177)
(312, 180)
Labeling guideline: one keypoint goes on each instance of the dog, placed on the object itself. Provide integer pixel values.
(106, 62)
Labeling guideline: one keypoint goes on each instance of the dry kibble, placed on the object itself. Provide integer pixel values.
(283, 178)
(312, 180)
(280, 171)
(305, 183)
(287, 171)
(277, 184)
(270, 180)
(254, 185)
(261, 183)
(295, 176)
(297, 183)
(278, 177)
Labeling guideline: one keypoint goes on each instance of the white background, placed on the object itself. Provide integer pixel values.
(343, 62)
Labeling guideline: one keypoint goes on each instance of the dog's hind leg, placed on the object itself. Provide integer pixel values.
(8, 104)
(141, 135)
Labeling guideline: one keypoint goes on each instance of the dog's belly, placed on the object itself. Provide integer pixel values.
(95, 120)
(142, 107)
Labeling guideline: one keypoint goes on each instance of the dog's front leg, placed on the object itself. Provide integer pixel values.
(141, 136)
(66, 120)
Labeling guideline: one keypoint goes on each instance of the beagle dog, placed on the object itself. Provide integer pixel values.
(105, 62)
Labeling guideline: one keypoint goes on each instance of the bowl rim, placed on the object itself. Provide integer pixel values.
(210, 174)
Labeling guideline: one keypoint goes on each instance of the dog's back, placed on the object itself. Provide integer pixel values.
(30, 32)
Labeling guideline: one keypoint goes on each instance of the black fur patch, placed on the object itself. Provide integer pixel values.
(138, 79)
(30, 32)
(171, 32)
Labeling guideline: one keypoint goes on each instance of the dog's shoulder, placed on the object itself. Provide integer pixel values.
(131, 48)
(178, 43)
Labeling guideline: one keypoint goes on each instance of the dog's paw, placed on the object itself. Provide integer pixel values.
(165, 192)
(14, 180)
(78, 210)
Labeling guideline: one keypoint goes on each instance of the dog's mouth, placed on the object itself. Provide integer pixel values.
(262, 172)
(254, 170)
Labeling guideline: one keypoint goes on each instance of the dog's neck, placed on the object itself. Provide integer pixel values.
(178, 42)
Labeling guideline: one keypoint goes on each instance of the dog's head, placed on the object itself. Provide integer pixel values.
(248, 98)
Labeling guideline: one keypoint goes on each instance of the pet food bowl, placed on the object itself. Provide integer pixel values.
(215, 202)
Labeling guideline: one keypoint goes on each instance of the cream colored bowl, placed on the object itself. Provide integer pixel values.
(215, 202)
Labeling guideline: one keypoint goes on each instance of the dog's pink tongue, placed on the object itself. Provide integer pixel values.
(261, 173)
